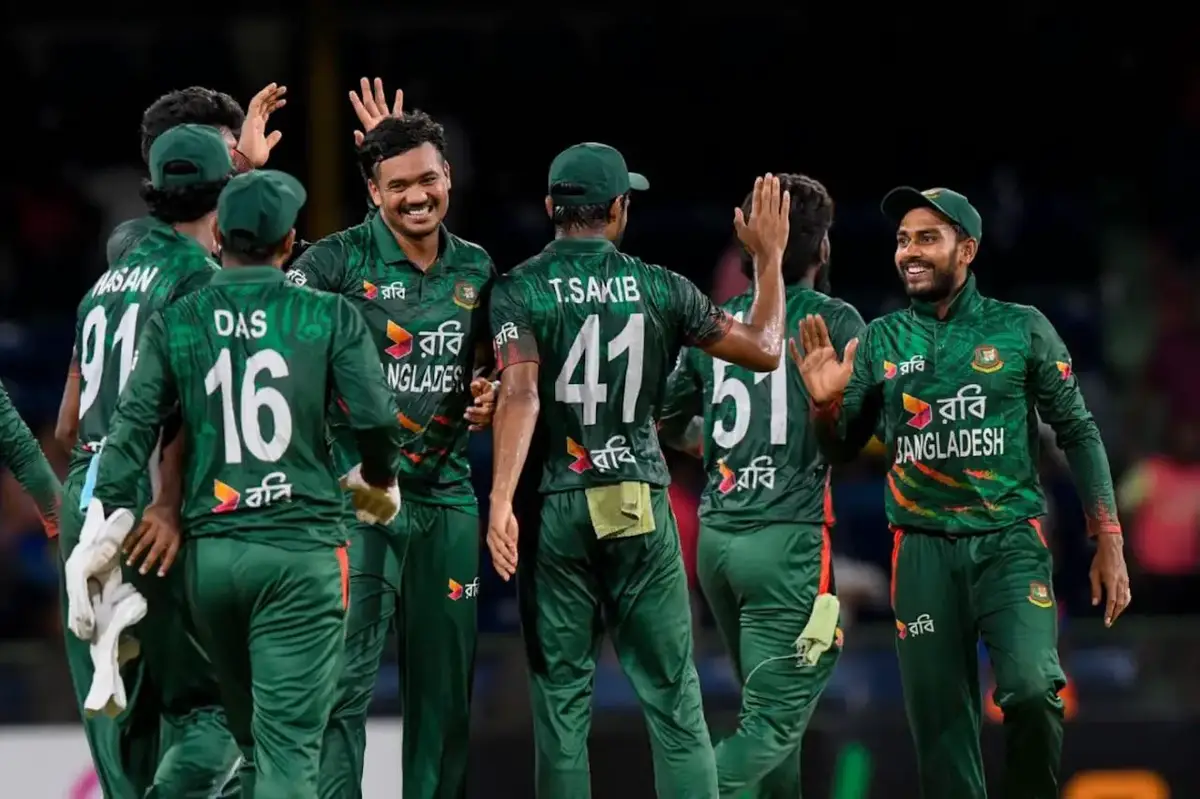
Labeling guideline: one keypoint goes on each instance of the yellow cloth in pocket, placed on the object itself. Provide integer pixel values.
(621, 511)
(821, 630)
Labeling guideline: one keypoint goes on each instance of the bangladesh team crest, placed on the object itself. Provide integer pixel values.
(987, 360)
(465, 295)
(1039, 595)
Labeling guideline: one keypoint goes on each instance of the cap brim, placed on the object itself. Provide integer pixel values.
(902, 199)
(638, 182)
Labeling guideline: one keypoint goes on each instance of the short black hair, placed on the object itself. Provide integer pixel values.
(811, 218)
(194, 105)
(395, 136)
(580, 217)
(182, 203)
(251, 253)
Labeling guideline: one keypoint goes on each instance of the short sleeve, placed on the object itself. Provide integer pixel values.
(702, 321)
(512, 328)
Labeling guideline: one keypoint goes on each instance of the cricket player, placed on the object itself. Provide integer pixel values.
(192, 753)
(250, 144)
(593, 332)
(957, 381)
(421, 292)
(764, 556)
(252, 361)
(21, 453)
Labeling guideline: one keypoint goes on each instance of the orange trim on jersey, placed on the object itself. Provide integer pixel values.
(1036, 524)
(827, 504)
(826, 562)
(343, 560)
(897, 538)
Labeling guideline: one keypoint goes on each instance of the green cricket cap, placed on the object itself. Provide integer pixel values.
(259, 208)
(590, 174)
(949, 203)
(189, 154)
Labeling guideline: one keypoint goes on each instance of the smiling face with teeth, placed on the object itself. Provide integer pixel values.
(931, 255)
(412, 191)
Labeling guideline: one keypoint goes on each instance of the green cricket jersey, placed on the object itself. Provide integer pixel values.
(605, 328)
(426, 324)
(763, 460)
(22, 454)
(252, 361)
(126, 235)
(959, 400)
(161, 266)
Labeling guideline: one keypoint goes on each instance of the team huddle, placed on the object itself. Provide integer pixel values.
(269, 474)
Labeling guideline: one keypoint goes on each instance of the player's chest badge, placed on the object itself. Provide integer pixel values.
(466, 295)
(987, 360)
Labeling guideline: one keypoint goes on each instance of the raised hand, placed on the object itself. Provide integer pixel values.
(824, 375)
(371, 107)
(255, 143)
(766, 231)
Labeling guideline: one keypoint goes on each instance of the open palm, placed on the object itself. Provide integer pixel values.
(824, 374)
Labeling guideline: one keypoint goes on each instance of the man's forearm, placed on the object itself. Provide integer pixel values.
(688, 440)
(170, 470)
(766, 315)
(66, 427)
(1088, 462)
(513, 427)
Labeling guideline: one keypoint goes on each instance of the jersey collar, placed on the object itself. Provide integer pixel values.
(248, 274)
(390, 250)
(967, 301)
(575, 244)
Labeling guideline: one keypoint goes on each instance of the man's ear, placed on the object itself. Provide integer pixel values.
(288, 244)
(549, 207)
(376, 194)
(616, 209)
(967, 251)
(446, 172)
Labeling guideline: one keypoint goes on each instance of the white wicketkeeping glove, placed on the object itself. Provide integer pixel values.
(117, 606)
(372, 505)
(97, 554)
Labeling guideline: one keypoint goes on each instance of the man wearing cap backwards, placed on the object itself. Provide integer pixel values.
(172, 736)
(251, 361)
(764, 557)
(957, 381)
(421, 291)
(593, 333)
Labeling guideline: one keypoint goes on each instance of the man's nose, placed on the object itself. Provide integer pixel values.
(415, 195)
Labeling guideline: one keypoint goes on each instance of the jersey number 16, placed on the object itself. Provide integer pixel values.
(252, 400)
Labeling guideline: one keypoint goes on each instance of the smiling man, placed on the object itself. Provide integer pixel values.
(421, 292)
(958, 381)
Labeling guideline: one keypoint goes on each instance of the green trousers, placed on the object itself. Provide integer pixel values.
(172, 739)
(420, 572)
(761, 585)
(572, 587)
(274, 623)
(947, 593)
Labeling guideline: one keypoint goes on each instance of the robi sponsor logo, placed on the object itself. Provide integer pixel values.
(459, 591)
(922, 414)
(969, 404)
